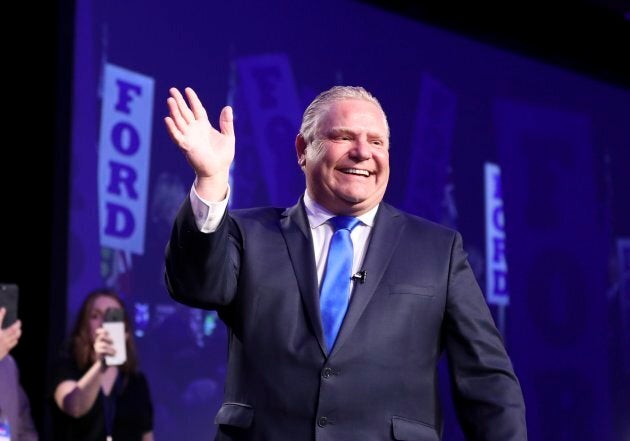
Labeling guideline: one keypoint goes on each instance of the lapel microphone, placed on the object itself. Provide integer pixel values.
(359, 276)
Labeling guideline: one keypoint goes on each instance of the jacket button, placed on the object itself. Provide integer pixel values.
(327, 372)
(322, 422)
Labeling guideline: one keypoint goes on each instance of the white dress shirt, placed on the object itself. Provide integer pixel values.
(208, 216)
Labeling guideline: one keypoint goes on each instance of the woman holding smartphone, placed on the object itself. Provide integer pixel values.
(96, 399)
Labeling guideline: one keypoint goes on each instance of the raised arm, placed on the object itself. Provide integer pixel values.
(208, 151)
(76, 397)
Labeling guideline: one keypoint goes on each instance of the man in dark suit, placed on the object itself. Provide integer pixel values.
(412, 296)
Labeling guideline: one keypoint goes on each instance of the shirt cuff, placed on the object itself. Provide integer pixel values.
(208, 214)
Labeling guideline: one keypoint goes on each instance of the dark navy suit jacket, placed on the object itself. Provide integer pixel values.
(379, 382)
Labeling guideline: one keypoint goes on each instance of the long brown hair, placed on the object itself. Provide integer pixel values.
(81, 338)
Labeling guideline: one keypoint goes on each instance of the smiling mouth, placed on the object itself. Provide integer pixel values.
(355, 171)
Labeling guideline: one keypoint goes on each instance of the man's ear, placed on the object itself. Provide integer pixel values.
(300, 149)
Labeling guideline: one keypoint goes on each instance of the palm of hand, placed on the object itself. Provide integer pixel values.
(207, 150)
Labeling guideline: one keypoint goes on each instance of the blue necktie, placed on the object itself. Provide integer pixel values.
(335, 286)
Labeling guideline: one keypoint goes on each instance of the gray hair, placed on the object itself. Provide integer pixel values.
(320, 105)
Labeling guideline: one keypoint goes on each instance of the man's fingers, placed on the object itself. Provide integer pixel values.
(181, 109)
(172, 130)
(226, 121)
(176, 115)
(198, 110)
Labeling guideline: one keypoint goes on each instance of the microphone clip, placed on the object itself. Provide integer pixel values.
(359, 276)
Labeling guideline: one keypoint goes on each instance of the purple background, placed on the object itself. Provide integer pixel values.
(452, 105)
(561, 138)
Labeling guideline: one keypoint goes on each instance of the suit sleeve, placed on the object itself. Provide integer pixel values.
(487, 394)
(201, 269)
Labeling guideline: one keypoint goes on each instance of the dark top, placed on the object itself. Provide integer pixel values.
(127, 411)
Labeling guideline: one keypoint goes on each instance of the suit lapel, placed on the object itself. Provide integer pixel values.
(297, 235)
(388, 227)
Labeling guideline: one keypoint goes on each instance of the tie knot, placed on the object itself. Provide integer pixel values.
(344, 222)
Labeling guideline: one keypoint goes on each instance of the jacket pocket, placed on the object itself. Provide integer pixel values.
(235, 414)
(409, 430)
(417, 290)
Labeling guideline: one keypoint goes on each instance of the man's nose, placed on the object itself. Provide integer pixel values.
(361, 150)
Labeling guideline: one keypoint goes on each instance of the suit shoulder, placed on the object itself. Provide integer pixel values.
(256, 213)
(422, 224)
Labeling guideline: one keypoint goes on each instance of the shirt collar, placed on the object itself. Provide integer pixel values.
(318, 215)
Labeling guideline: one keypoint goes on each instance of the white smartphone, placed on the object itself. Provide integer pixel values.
(114, 323)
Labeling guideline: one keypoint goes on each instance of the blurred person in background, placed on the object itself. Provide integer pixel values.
(94, 401)
(16, 422)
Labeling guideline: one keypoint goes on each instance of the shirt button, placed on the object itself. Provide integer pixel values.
(322, 422)
(327, 372)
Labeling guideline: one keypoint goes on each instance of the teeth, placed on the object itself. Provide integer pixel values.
(356, 171)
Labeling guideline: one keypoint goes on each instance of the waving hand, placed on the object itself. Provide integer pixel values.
(209, 152)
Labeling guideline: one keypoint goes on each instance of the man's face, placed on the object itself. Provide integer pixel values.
(348, 172)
